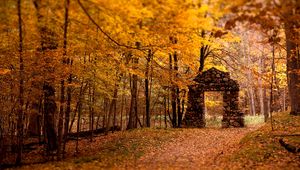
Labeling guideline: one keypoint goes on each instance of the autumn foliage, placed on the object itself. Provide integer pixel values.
(90, 67)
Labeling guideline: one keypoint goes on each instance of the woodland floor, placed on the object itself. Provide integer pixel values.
(208, 148)
(195, 149)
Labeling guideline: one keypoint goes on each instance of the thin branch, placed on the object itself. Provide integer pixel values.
(101, 30)
(110, 38)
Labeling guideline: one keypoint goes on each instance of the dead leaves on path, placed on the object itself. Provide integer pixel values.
(194, 149)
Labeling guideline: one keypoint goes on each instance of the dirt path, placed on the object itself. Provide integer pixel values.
(195, 149)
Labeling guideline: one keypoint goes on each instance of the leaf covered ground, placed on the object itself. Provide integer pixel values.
(207, 148)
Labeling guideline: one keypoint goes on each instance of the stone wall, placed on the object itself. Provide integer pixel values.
(213, 80)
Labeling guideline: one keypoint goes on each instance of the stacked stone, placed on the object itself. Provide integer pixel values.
(213, 80)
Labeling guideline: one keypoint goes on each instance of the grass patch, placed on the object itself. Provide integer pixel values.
(215, 121)
(253, 120)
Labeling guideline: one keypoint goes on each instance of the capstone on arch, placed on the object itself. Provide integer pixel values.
(213, 80)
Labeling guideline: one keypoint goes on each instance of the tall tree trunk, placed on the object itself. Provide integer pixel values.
(261, 96)
(250, 90)
(271, 87)
(176, 69)
(147, 94)
(48, 43)
(21, 88)
(69, 62)
(284, 99)
(49, 111)
(60, 120)
(173, 93)
(293, 64)
(166, 111)
(123, 104)
(133, 115)
(91, 109)
(79, 118)
(112, 108)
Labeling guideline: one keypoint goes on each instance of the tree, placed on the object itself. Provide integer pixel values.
(21, 87)
(48, 44)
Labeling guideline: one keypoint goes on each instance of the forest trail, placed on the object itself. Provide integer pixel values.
(195, 148)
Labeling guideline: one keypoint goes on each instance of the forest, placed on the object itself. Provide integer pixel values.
(106, 84)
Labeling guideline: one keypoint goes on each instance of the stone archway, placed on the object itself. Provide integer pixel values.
(213, 80)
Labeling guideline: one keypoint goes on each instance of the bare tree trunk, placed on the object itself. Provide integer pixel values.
(48, 43)
(271, 87)
(60, 120)
(122, 110)
(177, 95)
(251, 99)
(147, 94)
(133, 115)
(123, 103)
(81, 92)
(261, 96)
(112, 108)
(266, 105)
(91, 110)
(173, 93)
(183, 102)
(79, 120)
(284, 99)
(21, 88)
(292, 53)
(68, 111)
(250, 86)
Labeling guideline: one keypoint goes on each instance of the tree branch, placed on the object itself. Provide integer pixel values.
(101, 30)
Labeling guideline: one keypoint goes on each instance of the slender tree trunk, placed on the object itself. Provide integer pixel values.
(261, 96)
(284, 99)
(177, 95)
(166, 111)
(147, 94)
(271, 87)
(250, 86)
(173, 93)
(21, 88)
(79, 120)
(60, 120)
(81, 92)
(48, 43)
(62, 99)
(112, 108)
(123, 103)
(122, 110)
(91, 110)
(183, 102)
(133, 115)
(115, 115)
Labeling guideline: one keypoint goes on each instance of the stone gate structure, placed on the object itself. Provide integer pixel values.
(213, 80)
